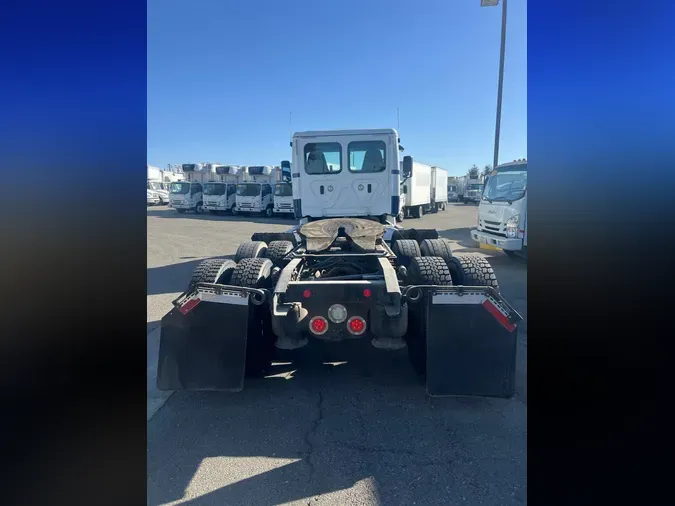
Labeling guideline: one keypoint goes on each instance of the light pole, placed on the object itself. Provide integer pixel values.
(493, 3)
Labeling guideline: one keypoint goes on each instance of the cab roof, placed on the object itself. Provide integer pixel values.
(336, 133)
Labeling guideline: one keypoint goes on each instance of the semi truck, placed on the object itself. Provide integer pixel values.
(254, 193)
(471, 186)
(502, 212)
(187, 195)
(221, 191)
(345, 271)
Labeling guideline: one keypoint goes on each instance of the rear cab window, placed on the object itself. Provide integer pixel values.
(367, 156)
(323, 158)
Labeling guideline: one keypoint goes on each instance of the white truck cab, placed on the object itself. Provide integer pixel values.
(502, 212)
(254, 193)
(346, 173)
(220, 193)
(187, 195)
(452, 192)
(283, 192)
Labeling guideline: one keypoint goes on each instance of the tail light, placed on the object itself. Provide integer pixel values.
(318, 325)
(356, 325)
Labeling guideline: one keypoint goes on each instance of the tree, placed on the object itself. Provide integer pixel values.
(486, 170)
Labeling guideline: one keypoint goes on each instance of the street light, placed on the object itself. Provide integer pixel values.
(493, 3)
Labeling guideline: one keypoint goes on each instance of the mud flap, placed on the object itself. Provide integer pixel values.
(203, 340)
(471, 336)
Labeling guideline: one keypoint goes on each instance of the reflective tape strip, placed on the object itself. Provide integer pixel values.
(453, 298)
(499, 315)
(232, 298)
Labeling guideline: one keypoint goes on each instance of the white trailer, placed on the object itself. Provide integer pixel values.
(416, 191)
(439, 189)
(254, 192)
(220, 193)
(187, 195)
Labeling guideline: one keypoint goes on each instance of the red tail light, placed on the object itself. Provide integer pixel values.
(318, 325)
(356, 325)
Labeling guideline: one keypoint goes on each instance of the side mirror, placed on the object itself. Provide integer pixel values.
(286, 171)
(407, 166)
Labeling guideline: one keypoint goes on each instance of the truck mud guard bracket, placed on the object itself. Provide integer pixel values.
(471, 340)
(203, 338)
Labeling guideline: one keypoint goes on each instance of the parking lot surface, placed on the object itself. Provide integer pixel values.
(344, 423)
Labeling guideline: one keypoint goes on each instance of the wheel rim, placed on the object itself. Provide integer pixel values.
(199, 209)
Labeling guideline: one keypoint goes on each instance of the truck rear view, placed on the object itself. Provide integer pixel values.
(353, 276)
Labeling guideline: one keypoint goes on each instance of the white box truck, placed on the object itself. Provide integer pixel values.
(220, 193)
(187, 195)
(439, 189)
(502, 212)
(471, 186)
(157, 186)
(254, 192)
(416, 191)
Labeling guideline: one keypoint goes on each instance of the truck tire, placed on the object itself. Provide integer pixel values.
(278, 250)
(250, 249)
(180, 211)
(254, 273)
(405, 250)
(419, 211)
(269, 211)
(213, 270)
(472, 270)
(251, 272)
(436, 248)
(199, 208)
(423, 271)
(429, 271)
(401, 216)
(233, 209)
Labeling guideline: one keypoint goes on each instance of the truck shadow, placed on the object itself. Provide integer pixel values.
(461, 235)
(173, 278)
(335, 418)
(170, 213)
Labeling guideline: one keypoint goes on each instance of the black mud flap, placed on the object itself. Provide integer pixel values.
(203, 340)
(471, 336)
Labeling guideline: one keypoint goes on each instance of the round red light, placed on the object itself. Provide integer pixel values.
(367, 292)
(319, 325)
(357, 325)
(306, 294)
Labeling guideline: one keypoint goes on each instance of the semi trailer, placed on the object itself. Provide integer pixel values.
(345, 271)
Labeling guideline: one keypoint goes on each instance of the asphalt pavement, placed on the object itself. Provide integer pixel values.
(343, 424)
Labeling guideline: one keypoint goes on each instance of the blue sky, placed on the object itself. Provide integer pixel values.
(223, 77)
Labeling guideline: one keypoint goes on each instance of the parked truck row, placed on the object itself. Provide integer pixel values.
(268, 190)
(235, 189)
